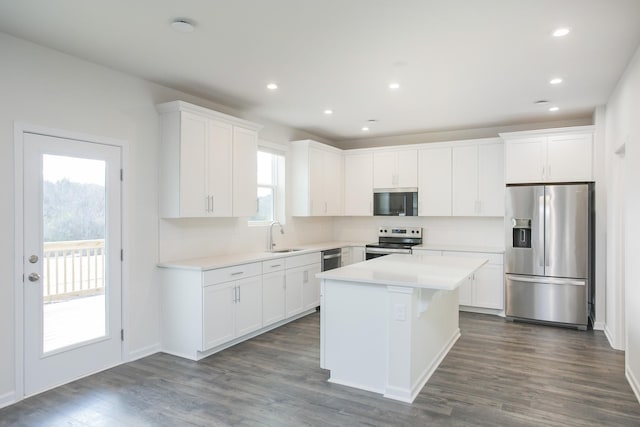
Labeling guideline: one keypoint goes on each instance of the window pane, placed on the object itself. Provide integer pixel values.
(265, 168)
(265, 205)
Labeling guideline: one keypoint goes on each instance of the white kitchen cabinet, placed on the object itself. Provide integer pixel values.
(551, 155)
(231, 310)
(358, 184)
(352, 255)
(434, 189)
(302, 288)
(485, 288)
(245, 170)
(201, 153)
(478, 180)
(317, 182)
(273, 297)
(395, 169)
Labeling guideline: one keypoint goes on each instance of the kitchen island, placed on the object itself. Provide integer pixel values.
(387, 323)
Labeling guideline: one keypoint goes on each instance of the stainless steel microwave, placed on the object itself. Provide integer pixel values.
(395, 203)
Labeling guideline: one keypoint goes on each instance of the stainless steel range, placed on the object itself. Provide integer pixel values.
(394, 240)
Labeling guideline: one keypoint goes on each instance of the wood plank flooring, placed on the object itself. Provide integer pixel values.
(498, 374)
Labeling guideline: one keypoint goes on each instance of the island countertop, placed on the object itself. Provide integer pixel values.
(416, 270)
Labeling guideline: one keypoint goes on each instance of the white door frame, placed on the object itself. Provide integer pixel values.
(19, 130)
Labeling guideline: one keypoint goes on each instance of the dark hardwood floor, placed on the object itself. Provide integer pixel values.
(498, 374)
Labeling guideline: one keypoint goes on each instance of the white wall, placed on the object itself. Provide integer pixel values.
(43, 87)
(623, 127)
(436, 230)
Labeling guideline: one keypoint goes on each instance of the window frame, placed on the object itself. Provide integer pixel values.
(278, 182)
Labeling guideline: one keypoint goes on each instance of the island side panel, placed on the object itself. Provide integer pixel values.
(355, 335)
(440, 322)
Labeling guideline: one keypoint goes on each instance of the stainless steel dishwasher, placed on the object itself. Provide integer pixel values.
(331, 259)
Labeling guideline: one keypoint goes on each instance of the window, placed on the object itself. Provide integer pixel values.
(270, 187)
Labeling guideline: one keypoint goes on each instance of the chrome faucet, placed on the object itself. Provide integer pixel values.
(271, 244)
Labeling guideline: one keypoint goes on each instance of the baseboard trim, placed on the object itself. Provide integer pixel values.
(8, 398)
(633, 382)
(612, 342)
(481, 310)
(598, 326)
(144, 352)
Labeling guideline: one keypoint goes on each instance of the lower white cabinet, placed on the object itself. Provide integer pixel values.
(484, 288)
(302, 287)
(230, 310)
(207, 311)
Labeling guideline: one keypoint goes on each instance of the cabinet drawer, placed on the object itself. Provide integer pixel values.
(493, 258)
(273, 265)
(299, 260)
(226, 274)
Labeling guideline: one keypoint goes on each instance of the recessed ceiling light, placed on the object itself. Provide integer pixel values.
(555, 81)
(561, 32)
(328, 112)
(552, 109)
(182, 26)
(272, 86)
(394, 85)
(365, 128)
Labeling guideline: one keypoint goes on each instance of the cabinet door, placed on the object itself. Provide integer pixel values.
(293, 293)
(317, 202)
(310, 287)
(434, 189)
(273, 290)
(193, 166)
(570, 158)
(357, 254)
(245, 148)
(465, 181)
(465, 291)
(525, 160)
(249, 305)
(219, 164)
(407, 169)
(491, 180)
(218, 309)
(385, 164)
(358, 184)
(333, 172)
(488, 287)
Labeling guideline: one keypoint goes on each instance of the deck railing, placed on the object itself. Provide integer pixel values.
(73, 268)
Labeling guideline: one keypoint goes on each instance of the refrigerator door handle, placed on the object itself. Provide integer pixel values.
(541, 232)
(549, 280)
(547, 229)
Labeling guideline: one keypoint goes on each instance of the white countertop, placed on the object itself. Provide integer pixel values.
(416, 271)
(461, 248)
(229, 260)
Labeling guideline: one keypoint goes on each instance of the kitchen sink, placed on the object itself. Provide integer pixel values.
(284, 251)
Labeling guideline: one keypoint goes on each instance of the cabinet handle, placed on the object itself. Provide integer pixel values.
(235, 295)
(212, 204)
(543, 172)
(275, 265)
(237, 273)
(305, 276)
(239, 294)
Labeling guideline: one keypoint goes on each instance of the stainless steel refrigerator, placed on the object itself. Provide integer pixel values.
(549, 253)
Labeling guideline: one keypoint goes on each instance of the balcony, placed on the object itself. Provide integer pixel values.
(73, 292)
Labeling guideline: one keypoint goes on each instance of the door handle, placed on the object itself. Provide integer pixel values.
(34, 277)
(33, 259)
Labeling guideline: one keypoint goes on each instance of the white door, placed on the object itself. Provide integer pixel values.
(72, 259)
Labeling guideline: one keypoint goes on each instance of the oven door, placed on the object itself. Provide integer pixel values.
(375, 252)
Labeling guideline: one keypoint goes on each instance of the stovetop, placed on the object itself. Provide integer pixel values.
(397, 237)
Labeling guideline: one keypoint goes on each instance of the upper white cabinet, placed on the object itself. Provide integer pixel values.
(478, 179)
(551, 155)
(358, 184)
(207, 163)
(317, 180)
(434, 189)
(395, 169)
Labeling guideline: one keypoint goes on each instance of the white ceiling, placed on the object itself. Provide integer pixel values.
(460, 63)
